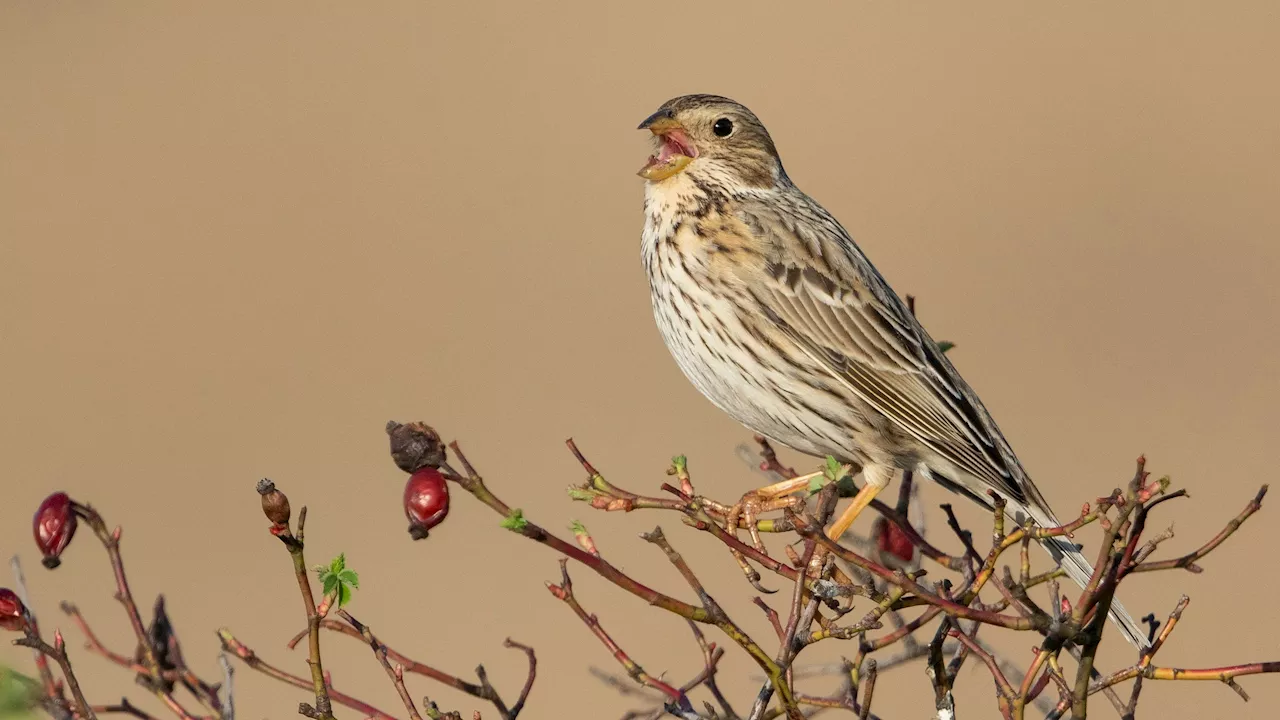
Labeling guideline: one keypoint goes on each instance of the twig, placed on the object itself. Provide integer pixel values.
(247, 655)
(296, 545)
(530, 676)
(864, 711)
(227, 692)
(94, 645)
(157, 683)
(410, 665)
(721, 619)
(124, 707)
(396, 674)
(51, 690)
(1004, 691)
(564, 592)
(58, 652)
(1188, 561)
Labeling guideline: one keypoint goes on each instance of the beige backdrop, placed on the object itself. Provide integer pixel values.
(235, 241)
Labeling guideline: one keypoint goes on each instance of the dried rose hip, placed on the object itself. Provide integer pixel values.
(54, 525)
(13, 616)
(426, 501)
(274, 503)
(415, 446)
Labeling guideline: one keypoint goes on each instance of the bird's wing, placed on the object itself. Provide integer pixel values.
(820, 290)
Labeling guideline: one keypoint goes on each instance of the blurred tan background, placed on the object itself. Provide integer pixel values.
(236, 239)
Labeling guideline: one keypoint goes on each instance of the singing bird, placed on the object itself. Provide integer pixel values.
(777, 316)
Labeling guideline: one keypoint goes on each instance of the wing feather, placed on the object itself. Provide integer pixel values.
(856, 328)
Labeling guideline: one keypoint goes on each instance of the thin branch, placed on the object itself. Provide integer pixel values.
(58, 652)
(564, 592)
(721, 619)
(124, 707)
(396, 674)
(410, 665)
(296, 545)
(247, 655)
(1188, 561)
(227, 692)
(51, 690)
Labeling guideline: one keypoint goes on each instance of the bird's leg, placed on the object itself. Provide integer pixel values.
(877, 477)
(748, 509)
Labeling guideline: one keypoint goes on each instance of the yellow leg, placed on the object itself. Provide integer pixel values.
(877, 478)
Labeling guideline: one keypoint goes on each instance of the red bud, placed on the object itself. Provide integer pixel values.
(13, 615)
(426, 501)
(54, 525)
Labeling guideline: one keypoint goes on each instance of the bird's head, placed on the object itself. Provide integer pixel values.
(714, 139)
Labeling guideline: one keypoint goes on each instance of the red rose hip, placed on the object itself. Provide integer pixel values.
(13, 616)
(426, 501)
(896, 549)
(54, 525)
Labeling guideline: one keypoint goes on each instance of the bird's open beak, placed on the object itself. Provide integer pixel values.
(676, 151)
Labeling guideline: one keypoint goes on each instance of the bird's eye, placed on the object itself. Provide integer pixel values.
(722, 127)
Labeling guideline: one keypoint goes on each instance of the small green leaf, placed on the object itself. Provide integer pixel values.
(584, 494)
(344, 595)
(515, 520)
(945, 345)
(350, 577)
(832, 469)
(330, 582)
(679, 462)
(578, 528)
(339, 563)
(816, 483)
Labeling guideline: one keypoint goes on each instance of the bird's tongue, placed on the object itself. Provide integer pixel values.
(676, 142)
(675, 153)
(675, 146)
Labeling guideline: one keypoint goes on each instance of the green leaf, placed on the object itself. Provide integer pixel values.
(679, 462)
(339, 563)
(344, 595)
(18, 694)
(578, 528)
(330, 582)
(350, 577)
(578, 493)
(945, 345)
(832, 469)
(816, 483)
(515, 520)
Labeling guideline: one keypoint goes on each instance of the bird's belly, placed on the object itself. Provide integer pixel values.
(753, 383)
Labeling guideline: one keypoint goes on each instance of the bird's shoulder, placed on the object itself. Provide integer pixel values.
(798, 246)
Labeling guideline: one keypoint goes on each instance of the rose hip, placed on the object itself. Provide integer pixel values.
(426, 501)
(54, 525)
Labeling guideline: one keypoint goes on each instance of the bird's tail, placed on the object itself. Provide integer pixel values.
(1073, 562)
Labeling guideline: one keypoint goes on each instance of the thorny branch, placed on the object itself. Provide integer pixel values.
(1081, 626)
(881, 577)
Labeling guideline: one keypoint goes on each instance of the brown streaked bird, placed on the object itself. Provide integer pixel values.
(776, 315)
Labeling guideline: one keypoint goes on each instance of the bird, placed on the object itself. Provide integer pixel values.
(777, 316)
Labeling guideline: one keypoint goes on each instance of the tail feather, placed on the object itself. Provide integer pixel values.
(1078, 568)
